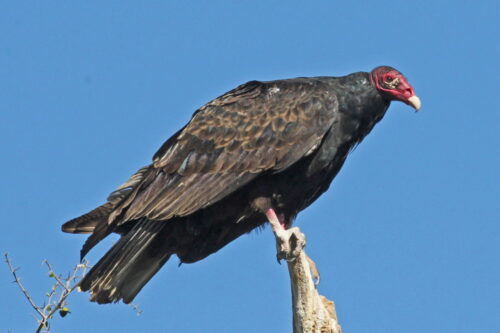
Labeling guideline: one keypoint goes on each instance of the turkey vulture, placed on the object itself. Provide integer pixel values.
(263, 151)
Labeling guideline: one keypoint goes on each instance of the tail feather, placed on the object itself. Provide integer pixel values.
(101, 230)
(129, 264)
(88, 222)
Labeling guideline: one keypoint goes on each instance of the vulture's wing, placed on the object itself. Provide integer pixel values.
(257, 127)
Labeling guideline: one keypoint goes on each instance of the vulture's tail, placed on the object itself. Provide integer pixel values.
(129, 264)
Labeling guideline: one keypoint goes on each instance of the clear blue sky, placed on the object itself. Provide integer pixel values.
(406, 239)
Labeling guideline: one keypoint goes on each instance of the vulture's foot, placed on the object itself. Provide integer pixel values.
(289, 243)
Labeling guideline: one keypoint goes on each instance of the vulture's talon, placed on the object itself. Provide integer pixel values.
(289, 243)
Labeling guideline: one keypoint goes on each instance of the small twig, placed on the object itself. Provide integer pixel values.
(136, 309)
(53, 274)
(20, 285)
(63, 287)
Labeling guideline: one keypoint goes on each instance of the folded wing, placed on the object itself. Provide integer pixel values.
(255, 128)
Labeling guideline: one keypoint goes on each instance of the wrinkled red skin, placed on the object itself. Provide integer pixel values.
(380, 77)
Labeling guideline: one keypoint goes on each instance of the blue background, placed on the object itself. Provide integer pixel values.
(407, 238)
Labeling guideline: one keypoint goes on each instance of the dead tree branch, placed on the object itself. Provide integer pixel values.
(312, 312)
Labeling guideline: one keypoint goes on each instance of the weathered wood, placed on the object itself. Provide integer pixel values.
(312, 312)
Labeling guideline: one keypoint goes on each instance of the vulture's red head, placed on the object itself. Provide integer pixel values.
(394, 86)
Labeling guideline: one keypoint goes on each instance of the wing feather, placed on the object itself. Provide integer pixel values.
(257, 127)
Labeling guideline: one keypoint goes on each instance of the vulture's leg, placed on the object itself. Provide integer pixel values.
(289, 242)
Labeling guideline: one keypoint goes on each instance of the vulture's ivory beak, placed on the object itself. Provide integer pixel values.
(415, 102)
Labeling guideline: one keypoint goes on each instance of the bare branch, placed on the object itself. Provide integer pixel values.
(60, 290)
(312, 312)
(20, 285)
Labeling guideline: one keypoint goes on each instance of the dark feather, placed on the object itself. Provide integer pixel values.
(87, 223)
(280, 143)
(130, 263)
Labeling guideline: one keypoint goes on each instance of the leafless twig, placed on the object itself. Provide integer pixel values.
(136, 308)
(17, 281)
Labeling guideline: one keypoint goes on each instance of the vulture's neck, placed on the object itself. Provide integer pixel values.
(359, 98)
